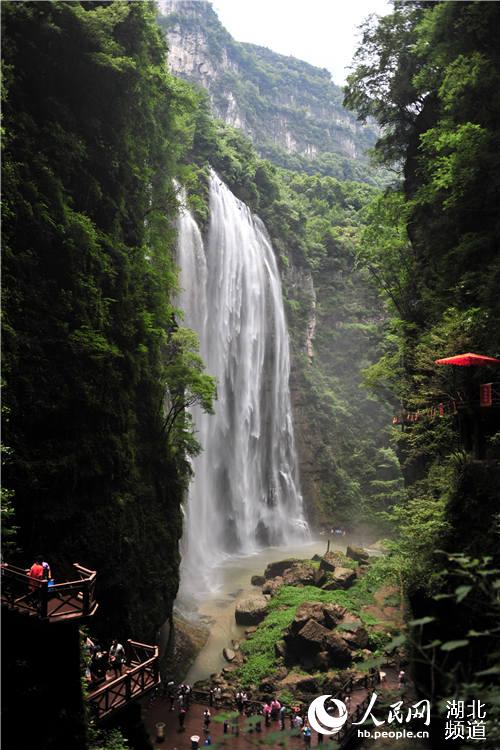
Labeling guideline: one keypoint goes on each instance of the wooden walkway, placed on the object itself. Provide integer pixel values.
(141, 675)
(69, 600)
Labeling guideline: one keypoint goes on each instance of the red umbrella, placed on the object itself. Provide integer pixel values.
(468, 360)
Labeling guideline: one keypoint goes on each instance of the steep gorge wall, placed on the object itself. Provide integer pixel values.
(283, 104)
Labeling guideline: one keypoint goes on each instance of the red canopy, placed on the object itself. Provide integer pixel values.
(468, 360)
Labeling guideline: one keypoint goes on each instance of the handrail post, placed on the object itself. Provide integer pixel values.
(44, 598)
(128, 685)
(86, 598)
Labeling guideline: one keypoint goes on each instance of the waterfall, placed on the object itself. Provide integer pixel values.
(245, 492)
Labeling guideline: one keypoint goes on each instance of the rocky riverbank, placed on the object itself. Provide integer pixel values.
(313, 625)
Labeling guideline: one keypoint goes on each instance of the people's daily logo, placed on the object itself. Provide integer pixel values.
(321, 720)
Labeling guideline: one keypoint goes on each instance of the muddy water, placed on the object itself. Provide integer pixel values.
(216, 609)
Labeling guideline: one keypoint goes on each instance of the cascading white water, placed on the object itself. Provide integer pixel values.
(245, 493)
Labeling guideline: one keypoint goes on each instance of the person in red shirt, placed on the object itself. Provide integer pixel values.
(36, 570)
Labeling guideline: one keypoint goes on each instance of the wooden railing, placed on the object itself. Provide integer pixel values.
(142, 675)
(63, 601)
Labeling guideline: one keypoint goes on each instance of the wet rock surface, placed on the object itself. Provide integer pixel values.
(251, 611)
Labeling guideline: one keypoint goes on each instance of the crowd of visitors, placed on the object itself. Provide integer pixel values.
(255, 715)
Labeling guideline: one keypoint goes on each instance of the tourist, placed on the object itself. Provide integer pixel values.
(275, 707)
(47, 574)
(36, 570)
(211, 697)
(282, 715)
(239, 702)
(401, 679)
(298, 721)
(225, 726)
(170, 692)
(182, 717)
(208, 741)
(218, 695)
(116, 657)
(187, 695)
(207, 717)
(347, 702)
(306, 735)
(266, 710)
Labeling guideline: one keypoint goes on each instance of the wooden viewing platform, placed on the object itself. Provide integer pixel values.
(141, 676)
(70, 600)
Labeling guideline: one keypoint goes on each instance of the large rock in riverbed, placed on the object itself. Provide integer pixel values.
(304, 574)
(328, 615)
(272, 586)
(353, 632)
(278, 568)
(358, 554)
(341, 578)
(251, 611)
(338, 650)
(257, 580)
(328, 562)
(311, 638)
(345, 577)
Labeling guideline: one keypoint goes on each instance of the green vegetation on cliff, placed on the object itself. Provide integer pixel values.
(92, 358)
(433, 248)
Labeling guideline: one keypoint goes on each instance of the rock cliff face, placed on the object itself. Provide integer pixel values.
(286, 105)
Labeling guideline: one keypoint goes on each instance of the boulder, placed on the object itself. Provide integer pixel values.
(329, 561)
(322, 661)
(353, 632)
(272, 586)
(280, 649)
(305, 612)
(333, 614)
(278, 568)
(358, 554)
(257, 580)
(340, 654)
(311, 638)
(300, 573)
(343, 577)
(268, 685)
(228, 654)
(251, 630)
(300, 683)
(330, 585)
(316, 558)
(251, 611)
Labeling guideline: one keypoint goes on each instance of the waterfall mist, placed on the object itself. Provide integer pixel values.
(245, 493)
